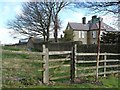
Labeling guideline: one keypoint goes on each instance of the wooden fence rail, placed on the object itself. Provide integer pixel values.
(23, 52)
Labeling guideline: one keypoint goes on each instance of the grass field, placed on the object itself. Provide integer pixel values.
(22, 70)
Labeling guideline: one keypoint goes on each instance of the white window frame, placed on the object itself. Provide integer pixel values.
(94, 34)
(81, 34)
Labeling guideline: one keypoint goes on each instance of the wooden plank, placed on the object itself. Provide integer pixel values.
(72, 65)
(110, 60)
(65, 65)
(94, 67)
(105, 58)
(75, 51)
(23, 52)
(93, 61)
(109, 72)
(108, 66)
(85, 61)
(111, 54)
(59, 52)
(40, 70)
(62, 72)
(55, 78)
(50, 67)
(35, 61)
(23, 60)
(92, 74)
(86, 54)
(24, 69)
(58, 60)
(94, 54)
(46, 65)
(85, 68)
(87, 74)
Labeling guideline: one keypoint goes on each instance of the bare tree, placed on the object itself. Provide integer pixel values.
(37, 17)
(101, 7)
(33, 21)
(57, 7)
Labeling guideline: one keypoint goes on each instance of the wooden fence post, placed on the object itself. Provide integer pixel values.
(45, 65)
(75, 51)
(105, 57)
(72, 66)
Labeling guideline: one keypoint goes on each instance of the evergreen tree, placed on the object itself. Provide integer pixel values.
(110, 37)
(68, 35)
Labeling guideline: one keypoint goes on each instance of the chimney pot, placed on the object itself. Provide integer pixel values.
(84, 20)
(95, 16)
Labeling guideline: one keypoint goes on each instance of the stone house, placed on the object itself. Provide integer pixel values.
(88, 32)
(23, 41)
(36, 43)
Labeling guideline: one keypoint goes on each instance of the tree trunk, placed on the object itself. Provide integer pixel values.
(56, 29)
(47, 39)
(44, 38)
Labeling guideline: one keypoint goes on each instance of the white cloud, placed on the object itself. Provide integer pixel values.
(5, 36)
(110, 20)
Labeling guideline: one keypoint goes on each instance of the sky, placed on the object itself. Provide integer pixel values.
(9, 10)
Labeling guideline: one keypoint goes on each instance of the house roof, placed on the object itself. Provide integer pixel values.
(107, 27)
(37, 40)
(23, 40)
(88, 26)
(79, 26)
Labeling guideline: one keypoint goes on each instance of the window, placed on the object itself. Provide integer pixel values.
(68, 27)
(94, 34)
(81, 34)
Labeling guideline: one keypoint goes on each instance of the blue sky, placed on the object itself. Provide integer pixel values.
(8, 11)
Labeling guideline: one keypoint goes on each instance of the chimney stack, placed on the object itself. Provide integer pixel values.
(93, 18)
(84, 20)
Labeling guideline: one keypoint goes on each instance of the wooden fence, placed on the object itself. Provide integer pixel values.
(74, 64)
(106, 65)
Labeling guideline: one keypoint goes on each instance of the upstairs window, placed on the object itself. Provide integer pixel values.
(81, 34)
(94, 34)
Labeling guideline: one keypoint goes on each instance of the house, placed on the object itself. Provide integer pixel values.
(23, 41)
(88, 32)
(32, 41)
(36, 42)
